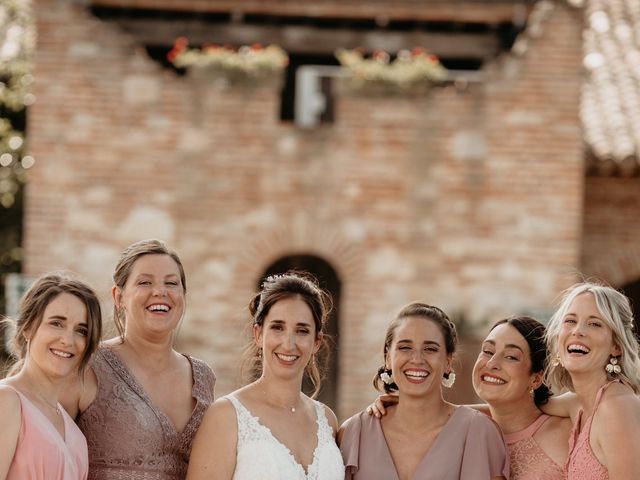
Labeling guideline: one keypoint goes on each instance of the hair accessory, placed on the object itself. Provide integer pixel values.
(271, 279)
(449, 380)
(387, 377)
(612, 367)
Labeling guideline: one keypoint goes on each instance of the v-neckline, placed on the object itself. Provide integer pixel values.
(128, 376)
(426, 456)
(305, 471)
(61, 436)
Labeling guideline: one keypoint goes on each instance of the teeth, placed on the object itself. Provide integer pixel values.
(286, 358)
(416, 373)
(159, 308)
(497, 381)
(574, 347)
(61, 354)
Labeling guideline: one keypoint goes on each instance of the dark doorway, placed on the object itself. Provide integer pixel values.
(632, 290)
(328, 279)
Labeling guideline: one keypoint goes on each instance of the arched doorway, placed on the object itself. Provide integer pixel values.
(328, 279)
(632, 290)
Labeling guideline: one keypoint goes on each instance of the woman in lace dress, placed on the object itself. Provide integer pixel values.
(269, 429)
(596, 358)
(141, 402)
(422, 436)
(55, 334)
(508, 375)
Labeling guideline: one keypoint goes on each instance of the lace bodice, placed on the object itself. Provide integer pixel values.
(128, 437)
(261, 455)
(527, 459)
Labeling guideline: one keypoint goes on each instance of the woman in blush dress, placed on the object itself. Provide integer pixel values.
(508, 375)
(56, 332)
(269, 429)
(423, 436)
(140, 402)
(591, 338)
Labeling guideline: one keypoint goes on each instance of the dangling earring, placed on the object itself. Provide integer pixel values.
(612, 367)
(448, 379)
(386, 376)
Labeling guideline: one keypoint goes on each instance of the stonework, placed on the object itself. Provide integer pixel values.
(470, 198)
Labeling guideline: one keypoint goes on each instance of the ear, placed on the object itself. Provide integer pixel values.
(257, 335)
(116, 294)
(536, 380)
(318, 343)
(450, 362)
(616, 351)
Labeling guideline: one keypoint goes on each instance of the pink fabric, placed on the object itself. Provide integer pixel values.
(469, 447)
(527, 460)
(582, 463)
(41, 453)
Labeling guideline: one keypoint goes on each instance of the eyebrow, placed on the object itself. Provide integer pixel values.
(508, 345)
(299, 324)
(427, 342)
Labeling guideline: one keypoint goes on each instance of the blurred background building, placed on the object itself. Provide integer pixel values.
(485, 195)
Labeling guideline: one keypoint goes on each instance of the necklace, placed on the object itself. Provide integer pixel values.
(55, 408)
(291, 408)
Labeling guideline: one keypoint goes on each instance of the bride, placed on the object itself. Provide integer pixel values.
(269, 429)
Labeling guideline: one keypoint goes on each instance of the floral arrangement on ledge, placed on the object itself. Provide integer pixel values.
(411, 71)
(246, 62)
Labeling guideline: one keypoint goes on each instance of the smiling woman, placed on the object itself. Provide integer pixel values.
(270, 429)
(57, 331)
(140, 402)
(422, 436)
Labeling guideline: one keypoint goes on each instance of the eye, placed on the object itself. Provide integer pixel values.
(511, 357)
(432, 349)
(303, 331)
(595, 324)
(487, 352)
(569, 320)
(84, 331)
(172, 283)
(276, 326)
(144, 282)
(404, 347)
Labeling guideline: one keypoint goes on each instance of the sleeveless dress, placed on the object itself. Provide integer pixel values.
(128, 437)
(527, 460)
(41, 453)
(582, 463)
(469, 447)
(261, 456)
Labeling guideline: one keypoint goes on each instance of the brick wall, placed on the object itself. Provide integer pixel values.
(469, 198)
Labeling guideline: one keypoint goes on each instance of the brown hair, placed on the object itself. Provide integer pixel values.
(428, 312)
(279, 287)
(33, 304)
(125, 264)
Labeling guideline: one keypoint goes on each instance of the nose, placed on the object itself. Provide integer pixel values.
(66, 337)
(159, 291)
(578, 329)
(289, 340)
(493, 362)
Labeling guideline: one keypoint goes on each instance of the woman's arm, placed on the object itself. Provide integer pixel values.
(561, 405)
(10, 419)
(378, 409)
(617, 433)
(213, 456)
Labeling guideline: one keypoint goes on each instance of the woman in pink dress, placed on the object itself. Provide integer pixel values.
(423, 436)
(57, 331)
(508, 376)
(596, 358)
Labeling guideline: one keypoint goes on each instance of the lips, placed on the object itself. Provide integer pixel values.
(159, 308)
(578, 348)
(286, 359)
(416, 376)
(61, 353)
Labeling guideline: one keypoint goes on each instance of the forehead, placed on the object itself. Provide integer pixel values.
(418, 329)
(67, 305)
(507, 334)
(293, 309)
(585, 301)
(155, 264)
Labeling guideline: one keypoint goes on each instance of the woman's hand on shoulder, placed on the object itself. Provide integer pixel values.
(378, 407)
(213, 455)
(617, 434)
(10, 420)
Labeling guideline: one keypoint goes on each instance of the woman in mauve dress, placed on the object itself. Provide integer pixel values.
(591, 337)
(423, 436)
(56, 332)
(141, 402)
(508, 375)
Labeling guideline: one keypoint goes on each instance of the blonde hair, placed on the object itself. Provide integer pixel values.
(615, 309)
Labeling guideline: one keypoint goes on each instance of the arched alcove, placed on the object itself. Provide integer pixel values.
(328, 279)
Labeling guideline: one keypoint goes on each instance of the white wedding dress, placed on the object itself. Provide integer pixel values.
(262, 456)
